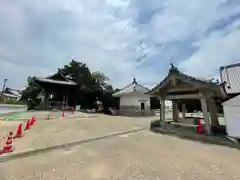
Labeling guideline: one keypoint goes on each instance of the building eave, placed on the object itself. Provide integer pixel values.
(51, 81)
(136, 87)
(174, 73)
(131, 93)
(11, 95)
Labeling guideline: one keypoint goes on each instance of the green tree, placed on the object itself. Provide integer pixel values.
(31, 93)
(91, 86)
(101, 79)
(116, 90)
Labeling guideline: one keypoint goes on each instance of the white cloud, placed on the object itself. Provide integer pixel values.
(189, 22)
(55, 32)
(180, 19)
(216, 50)
(36, 38)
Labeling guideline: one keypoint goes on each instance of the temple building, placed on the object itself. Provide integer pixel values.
(59, 91)
(134, 101)
(183, 89)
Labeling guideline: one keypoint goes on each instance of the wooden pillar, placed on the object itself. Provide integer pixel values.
(63, 102)
(184, 111)
(206, 115)
(174, 111)
(162, 113)
(213, 112)
(45, 100)
(66, 100)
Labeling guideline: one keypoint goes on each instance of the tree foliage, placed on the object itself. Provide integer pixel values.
(91, 86)
(31, 92)
(101, 80)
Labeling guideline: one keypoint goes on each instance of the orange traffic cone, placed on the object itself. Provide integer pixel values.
(34, 119)
(8, 145)
(28, 125)
(31, 121)
(19, 132)
(63, 114)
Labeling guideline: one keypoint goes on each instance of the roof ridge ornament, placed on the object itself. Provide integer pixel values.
(134, 81)
(173, 68)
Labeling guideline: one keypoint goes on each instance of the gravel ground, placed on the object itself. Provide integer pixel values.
(141, 155)
(134, 156)
(11, 125)
(77, 127)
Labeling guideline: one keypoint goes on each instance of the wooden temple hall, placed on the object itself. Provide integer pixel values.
(185, 90)
(59, 91)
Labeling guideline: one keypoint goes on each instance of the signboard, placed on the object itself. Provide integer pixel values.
(78, 107)
(142, 100)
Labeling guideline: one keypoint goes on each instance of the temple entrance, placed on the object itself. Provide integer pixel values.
(142, 106)
(189, 93)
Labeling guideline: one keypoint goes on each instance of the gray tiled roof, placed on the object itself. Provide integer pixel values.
(10, 95)
(56, 81)
(14, 92)
(230, 75)
(216, 86)
(134, 87)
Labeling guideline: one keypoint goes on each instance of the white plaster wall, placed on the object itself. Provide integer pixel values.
(135, 100)
(168, 104)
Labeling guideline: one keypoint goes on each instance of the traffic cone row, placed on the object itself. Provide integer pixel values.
(19, 133)
(63, 113)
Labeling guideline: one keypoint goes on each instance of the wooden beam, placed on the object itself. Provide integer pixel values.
(180, 89)
(184, 96)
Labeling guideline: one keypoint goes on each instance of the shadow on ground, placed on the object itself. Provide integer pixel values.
(193, 136)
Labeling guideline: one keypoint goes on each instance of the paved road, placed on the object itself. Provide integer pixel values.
(136, 156)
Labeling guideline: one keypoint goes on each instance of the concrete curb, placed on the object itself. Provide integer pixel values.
(221, 141)
(31, 152)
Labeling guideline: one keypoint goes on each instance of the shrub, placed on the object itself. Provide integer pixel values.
(11, 101)
(155, 123)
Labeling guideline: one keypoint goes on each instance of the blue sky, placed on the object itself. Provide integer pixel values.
(122, 38)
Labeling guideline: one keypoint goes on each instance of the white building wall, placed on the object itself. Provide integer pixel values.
(168, 104)
(231, 109)
(135, 100)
